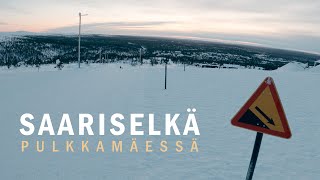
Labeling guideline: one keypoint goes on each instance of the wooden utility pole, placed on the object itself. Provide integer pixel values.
(165, 73)
(80, 15)
(141, 56)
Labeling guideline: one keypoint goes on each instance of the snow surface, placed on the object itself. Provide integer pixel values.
(217, 94)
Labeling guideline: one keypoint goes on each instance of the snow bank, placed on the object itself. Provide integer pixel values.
(50, 67)
(293, 67)
(315, 69)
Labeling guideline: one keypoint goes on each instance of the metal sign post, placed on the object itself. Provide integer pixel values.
(254, 156)
(263, 112)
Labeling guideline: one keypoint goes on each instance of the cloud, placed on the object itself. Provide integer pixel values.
(279, 23)
(306, 42)
(12, 7)
(109, 26)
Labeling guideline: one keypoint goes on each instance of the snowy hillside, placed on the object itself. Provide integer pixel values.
(34, 49)
(315, 69)
(293, 67)
(217, 94)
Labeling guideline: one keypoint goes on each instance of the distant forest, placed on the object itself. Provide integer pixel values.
(35, 50)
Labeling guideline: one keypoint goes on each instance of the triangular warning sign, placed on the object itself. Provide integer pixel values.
(263, 112)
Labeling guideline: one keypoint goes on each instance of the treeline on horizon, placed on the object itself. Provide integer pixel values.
(35, 50)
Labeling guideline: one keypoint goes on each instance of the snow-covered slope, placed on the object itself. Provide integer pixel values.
(315, 69)
(217, 94)
(293, 67)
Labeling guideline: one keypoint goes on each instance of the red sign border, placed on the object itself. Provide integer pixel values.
(268, 82)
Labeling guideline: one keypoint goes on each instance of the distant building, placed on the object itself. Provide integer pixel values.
(207, 65)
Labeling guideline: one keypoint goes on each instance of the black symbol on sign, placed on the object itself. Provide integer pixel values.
(270, 121)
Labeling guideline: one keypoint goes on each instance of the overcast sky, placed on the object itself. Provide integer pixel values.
(290, 24)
